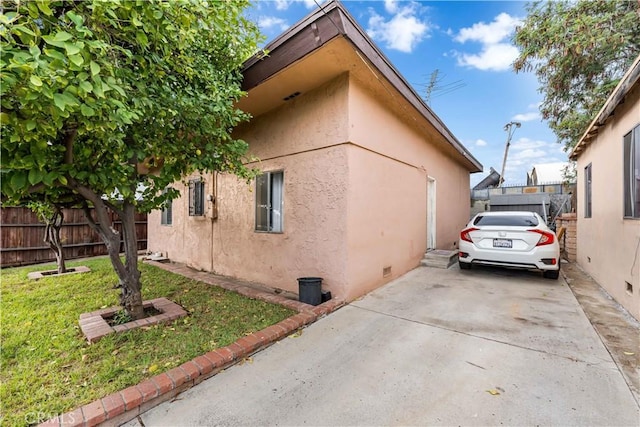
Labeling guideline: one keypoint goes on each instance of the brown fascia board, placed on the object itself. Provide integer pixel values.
(311, 33)
(324, 24)
(628, 81)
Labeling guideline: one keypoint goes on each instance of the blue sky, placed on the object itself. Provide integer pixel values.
(469, 43)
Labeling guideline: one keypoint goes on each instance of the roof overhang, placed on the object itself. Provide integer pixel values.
(331, 42)
(628, 81)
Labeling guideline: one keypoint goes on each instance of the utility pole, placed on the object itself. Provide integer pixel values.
(510, 128)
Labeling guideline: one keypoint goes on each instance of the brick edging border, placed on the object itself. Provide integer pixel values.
(124, 405)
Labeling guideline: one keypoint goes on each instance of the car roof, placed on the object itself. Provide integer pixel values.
(509, 213)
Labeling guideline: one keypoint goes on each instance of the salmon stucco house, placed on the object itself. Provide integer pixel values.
(608, 182)
(359, 176)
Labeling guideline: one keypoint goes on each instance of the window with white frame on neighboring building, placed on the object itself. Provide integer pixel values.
(196, 197)
(631, 173)
(269, 202)
(587, 191)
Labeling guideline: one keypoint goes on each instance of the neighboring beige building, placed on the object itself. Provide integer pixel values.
(608, 157)
(361, 177)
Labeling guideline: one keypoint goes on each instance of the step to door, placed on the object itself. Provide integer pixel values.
(439, 258)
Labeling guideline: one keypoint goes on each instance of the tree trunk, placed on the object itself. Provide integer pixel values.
(128, 274)
(131, 297)
(52, 237)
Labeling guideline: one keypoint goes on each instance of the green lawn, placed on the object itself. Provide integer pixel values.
(48, 368)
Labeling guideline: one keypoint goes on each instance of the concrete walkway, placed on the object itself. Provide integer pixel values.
(435, 347)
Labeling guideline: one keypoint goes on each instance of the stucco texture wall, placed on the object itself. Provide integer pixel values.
(355, 195)
(393, 134)
(607, 244)
(188, 238)
(302, 139)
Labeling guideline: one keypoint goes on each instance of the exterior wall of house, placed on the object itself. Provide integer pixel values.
(304, 139)
(607, 244)
(389, 165)
(375, 127)
(355, 197)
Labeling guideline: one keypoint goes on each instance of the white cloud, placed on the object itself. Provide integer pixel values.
(527, 117)
(526, 144)
(481, 143)
(525, 153)
(268, 22)
(492, 33)
(284, 4)
(496, 53)
(391, 6)
(403, 31)
(495, 57)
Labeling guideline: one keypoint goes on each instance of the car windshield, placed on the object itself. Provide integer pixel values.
(507, 220)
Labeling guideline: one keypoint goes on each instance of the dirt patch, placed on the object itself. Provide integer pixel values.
(121, 317)
(618, 330)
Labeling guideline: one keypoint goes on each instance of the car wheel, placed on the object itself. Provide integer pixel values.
(551, 274)
(464, 265)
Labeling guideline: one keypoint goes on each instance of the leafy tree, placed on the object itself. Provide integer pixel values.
(53, 218)
(579, 50)
(111, 101)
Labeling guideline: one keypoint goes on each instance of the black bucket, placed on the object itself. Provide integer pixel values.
(309, 290)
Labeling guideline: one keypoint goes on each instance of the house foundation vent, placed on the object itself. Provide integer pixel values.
(386, 271)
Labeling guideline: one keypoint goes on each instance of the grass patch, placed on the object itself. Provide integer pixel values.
(48, 368)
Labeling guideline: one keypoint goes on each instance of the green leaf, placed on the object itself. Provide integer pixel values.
(55, 54)
(52, 41)
(35, 176)
(59, 100)
(86, 86)
(75, 18)
(31, 124)
(44, 8)
(71, 49)
(95, 68)
(18, 180)
(62, 100)
(62, 36)
(76, 59)
(141, 38)
(4, 118)
(63, 180)
(49, 178)
(87, 111)
(35, 80)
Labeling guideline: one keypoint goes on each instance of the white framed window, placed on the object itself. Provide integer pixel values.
(587, 191)
(269, 202)
(166, 217)
(631, 173)
(196, 197)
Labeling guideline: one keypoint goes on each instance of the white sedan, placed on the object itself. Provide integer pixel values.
(510, 239)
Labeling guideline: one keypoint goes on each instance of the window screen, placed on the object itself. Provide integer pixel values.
(269, 202)
(587, 191)
(166, 216)
(631, 168)
(196, 197)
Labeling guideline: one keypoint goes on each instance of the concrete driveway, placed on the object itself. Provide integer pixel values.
(435, 347)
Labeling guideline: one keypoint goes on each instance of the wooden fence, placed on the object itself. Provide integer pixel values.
(21, 234)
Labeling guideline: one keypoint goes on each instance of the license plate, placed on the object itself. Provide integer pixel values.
(502, 243)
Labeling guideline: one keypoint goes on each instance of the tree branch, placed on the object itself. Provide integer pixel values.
(69, 137)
